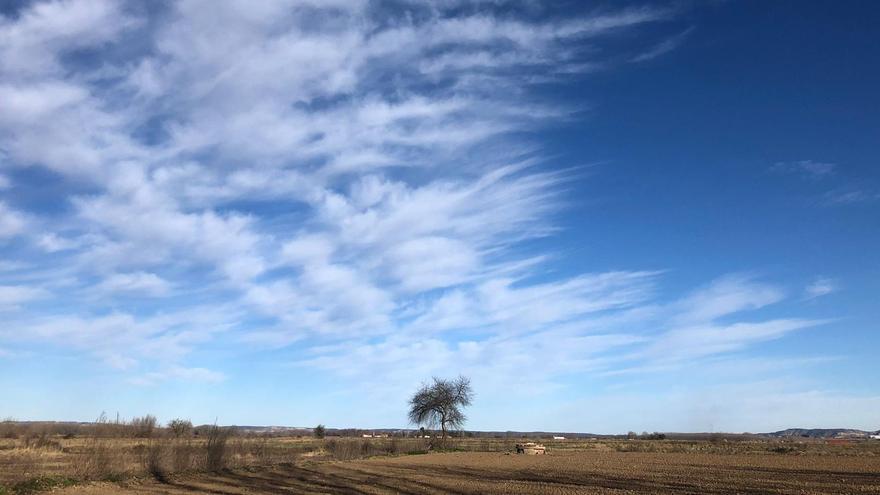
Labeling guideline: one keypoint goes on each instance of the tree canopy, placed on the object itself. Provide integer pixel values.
(440, 403)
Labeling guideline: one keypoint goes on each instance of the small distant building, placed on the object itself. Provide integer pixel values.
(875, 437)
(558, 438)
(367, 435)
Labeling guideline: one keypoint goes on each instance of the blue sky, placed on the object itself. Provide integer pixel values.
(611, 216)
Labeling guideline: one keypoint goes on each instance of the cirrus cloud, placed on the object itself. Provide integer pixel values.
(351, 184)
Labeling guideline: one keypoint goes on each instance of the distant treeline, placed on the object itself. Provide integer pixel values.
(148, 426)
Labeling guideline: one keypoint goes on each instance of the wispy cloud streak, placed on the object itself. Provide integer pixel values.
(340, 179)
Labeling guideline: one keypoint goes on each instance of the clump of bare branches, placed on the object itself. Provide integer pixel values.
(345, 449)
(180, 428)
(440, 404)
(153, 459)
(144, 427)
(8, 428)
(98, 461)
(215, 448)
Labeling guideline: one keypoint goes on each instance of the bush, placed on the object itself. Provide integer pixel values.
(144, 427)
(180, 427)
(783, 449)
(215, 448)
(153, 459)
(40, 441)
(182, 453)
(39, 484)
(344, 449)
(320, 431)
(261, 450)
(350, 448)
(8, 428)
(97, 461)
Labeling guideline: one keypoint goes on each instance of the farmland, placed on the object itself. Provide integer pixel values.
(349, 466)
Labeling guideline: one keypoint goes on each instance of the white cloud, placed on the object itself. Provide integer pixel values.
(5, 183)
(663, 47)
(53, 243)
(144, 283)
(806, 168)
(357, 182)
(705, 340)
(727, 295)
(605, 324)
(713, 320)
(59, 124)
(33, 43)
(849, 196)
(53, 118)
(177, 373)
(12, 223)
(123, 340)
(13, 296)
(137, 215)
(819, 287)
(432, 262)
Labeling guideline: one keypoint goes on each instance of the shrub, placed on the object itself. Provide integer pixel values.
(8, 428)
(344, 449)
(97, 461)
(40, 441)
(783, 449)
(350, 448)
(261, 450)
(39, 484)
(180, 427)
(320, 431)
(215, 448)
(182, 454)
(143, 427)
(152, 459)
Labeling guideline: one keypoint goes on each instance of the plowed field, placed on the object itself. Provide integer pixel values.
(556, 473)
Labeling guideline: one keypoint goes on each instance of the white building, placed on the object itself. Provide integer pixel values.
(876, 437)
(558, 438)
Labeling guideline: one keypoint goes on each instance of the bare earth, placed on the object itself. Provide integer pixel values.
(556, 473)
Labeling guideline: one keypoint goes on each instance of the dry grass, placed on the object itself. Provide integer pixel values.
(346, 449)
(97, 458)
(38, 459)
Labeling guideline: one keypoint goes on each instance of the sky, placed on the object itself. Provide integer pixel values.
(610, 216)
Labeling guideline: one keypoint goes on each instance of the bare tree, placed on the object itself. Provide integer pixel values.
(180, 427)
(440, 404)
(143, 427)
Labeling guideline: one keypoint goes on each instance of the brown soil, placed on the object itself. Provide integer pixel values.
(556, 473)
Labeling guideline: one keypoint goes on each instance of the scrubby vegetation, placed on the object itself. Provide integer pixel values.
(40, 455)
(36, 457)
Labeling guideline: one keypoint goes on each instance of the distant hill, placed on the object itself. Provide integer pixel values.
(820, 433)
